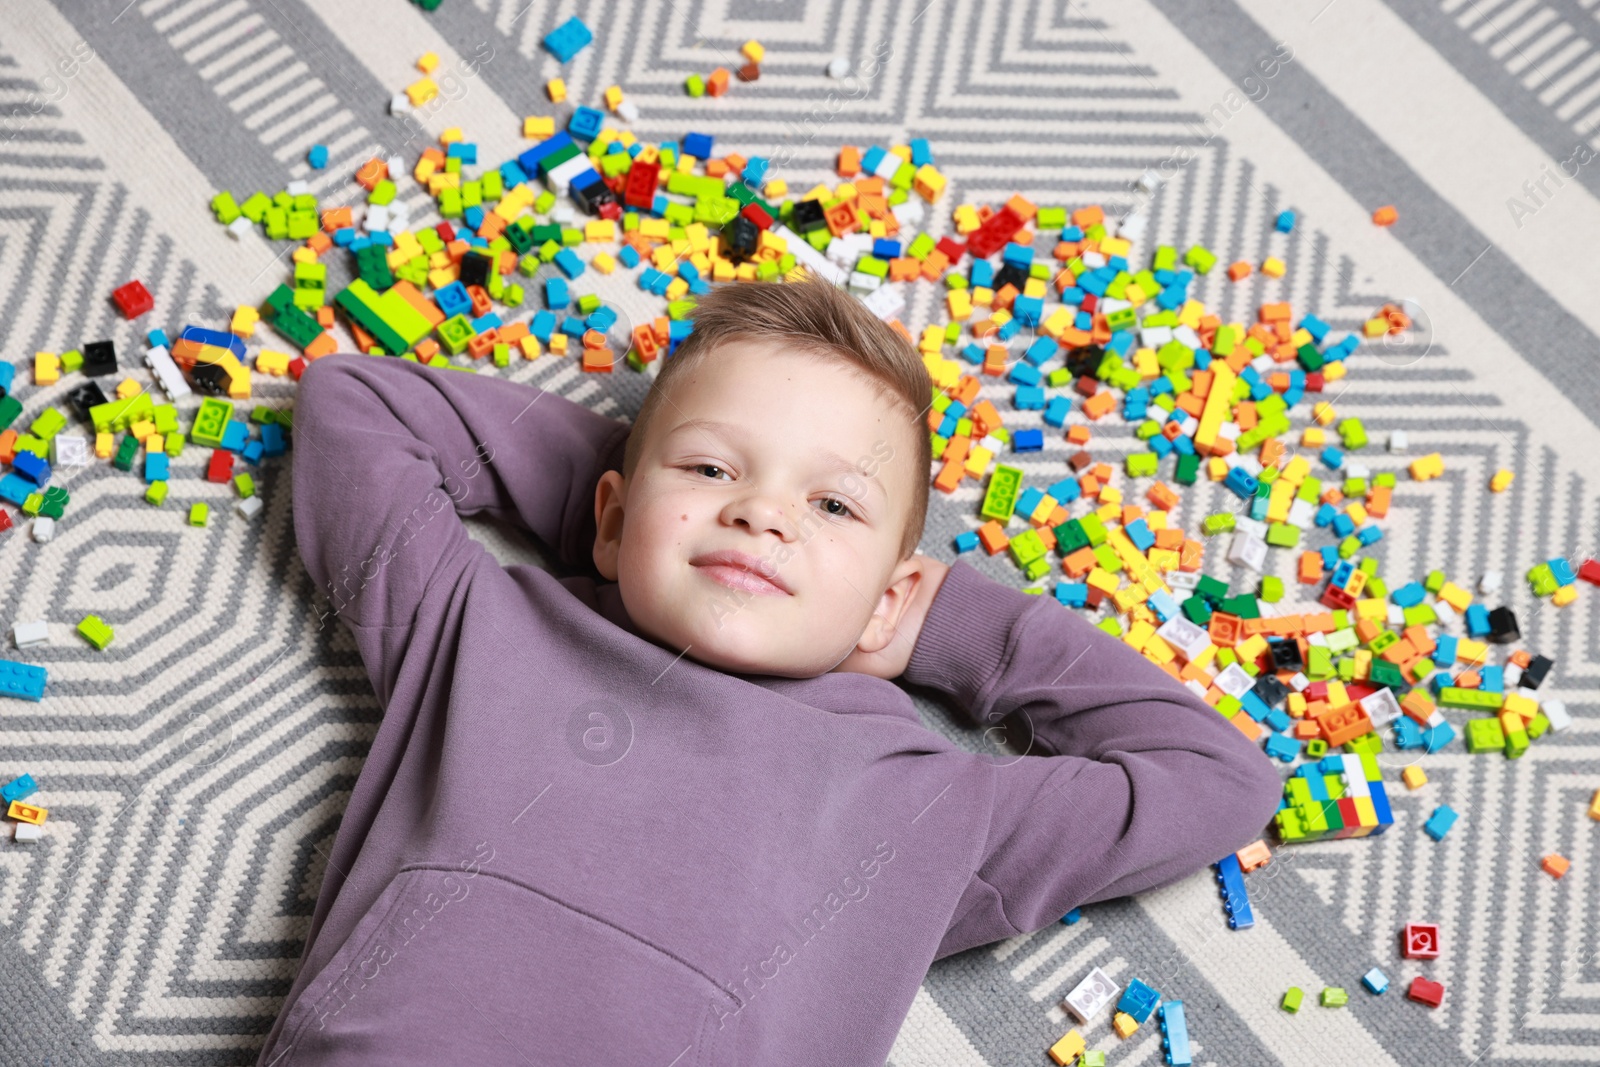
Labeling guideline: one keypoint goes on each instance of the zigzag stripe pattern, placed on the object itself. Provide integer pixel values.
(198, 768)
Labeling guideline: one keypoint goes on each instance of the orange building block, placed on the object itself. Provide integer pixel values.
(993, 537)
(1555, 865)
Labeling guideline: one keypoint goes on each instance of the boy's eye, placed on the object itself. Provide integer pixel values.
(834, 506)
(710, 470)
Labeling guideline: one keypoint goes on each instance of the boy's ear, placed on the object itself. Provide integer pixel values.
(610, 495)
(891, 607)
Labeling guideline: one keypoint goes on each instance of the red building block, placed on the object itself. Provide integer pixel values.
(1590, 571)
(134, 299)
(641, 188)
(1425, 992)
(220, 467)
(1420, 941)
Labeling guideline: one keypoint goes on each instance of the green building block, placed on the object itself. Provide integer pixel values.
(1000, 499)
(54, 502)
(127, 449)
(94, 629)
(1291, 999)
(454, 333)
(157, 492)
(1283, 535)
(1094, 529)
(198, 513)
(1271, 589)
(115, 415)
(1485, 735)
(49, 423)
(1222, 522)
(1476, 699)
(1334, 997)
(211, 421)
(244, 484)
(1142, 464)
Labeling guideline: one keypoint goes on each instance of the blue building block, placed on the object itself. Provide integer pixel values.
(1072, 594)
(251, 454)
(318, 156)
(1282, 746)
(1439, 822)
(555, 294)
(19, 788)
(273, 443)
(628, 257)
(966, 540)
(1029, 398)
(1072, 916)
(1375, 980)
(1175, 1034)
(569, 263)
(1027, 440)
(235, 435)
(155, 467)
(586, 123)
(1138, 1000)
(1285, 221)
(16, 489)
(601, 318)
(1235, 901)
(34, 468)
(1138, 532)
(568, 39)
(1242, 482)
(1562, 569)
(22, 680)
(453, 300)
(1057, 410)
(698, 145)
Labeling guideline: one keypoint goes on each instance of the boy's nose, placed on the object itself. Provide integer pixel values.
(759, 513)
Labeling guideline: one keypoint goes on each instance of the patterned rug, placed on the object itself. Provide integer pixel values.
(196, 769)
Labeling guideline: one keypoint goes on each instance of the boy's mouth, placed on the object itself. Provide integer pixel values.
(741, 571)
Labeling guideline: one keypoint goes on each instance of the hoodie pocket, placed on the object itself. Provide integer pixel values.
(474, 968)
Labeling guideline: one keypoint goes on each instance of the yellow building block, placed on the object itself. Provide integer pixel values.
(613, 97)
(1124, 1024)
(1457, 597)
(1414, 777)
(128, 387)
(141, 429)
(600, 230)
(1594, 806)
(1564, 596)
(558, 344)
(1216, 408)
(530, 347)
(23, 812)
(154, 443)
(1273, 267)
(1068, 1049)
(274, 363)
(427, 62)
(1425, 467)
(754, 51)
(978, 461)
(104, 445)
(1103, 580)
(421, 91)
(1501, 481)
(1323, 412)
(1313, 437)
(958, 302)
(603, 263)
(46, 368)
(245, 317)
(556, 89)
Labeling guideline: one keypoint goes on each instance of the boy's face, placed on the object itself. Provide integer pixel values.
(761, 527)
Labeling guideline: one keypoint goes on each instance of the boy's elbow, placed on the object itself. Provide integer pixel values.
(1261, 789)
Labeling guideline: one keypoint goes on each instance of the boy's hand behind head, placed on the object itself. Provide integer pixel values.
(893, 658)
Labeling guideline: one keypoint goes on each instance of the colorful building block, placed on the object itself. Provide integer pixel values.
(1174, 1034)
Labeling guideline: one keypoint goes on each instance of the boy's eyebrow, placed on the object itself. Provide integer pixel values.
(833, 462)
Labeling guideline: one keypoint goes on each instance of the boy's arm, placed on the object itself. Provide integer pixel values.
(1130, 782)
(388, 453)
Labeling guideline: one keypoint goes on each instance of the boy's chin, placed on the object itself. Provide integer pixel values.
(754, 653)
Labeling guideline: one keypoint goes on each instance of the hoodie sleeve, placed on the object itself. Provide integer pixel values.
(388, 454)
(1130, 781)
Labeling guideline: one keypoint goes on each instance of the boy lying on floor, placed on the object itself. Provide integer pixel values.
(675, 812)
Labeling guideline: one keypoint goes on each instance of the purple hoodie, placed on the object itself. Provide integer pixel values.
(571, 846)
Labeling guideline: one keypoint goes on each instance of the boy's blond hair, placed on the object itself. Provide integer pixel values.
(810, 316)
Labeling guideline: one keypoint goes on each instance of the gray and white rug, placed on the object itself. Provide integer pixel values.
(196, 770)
